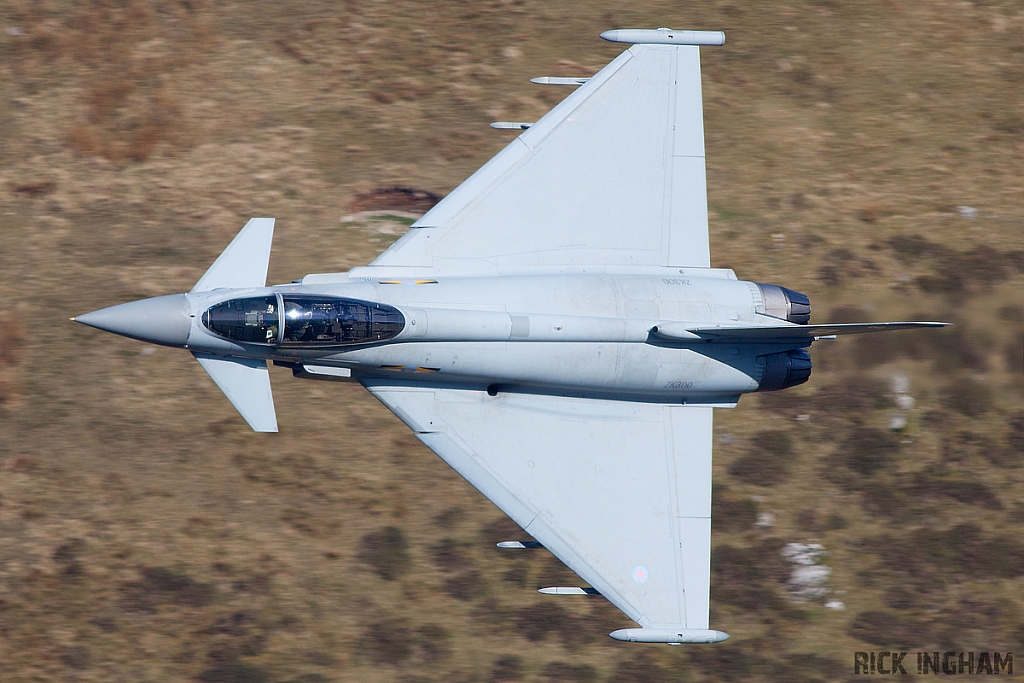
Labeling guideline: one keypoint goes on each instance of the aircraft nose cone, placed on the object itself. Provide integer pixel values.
(161, 320)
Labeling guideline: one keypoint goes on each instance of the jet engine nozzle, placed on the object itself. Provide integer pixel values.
(784, 303)
(784, 370)
(161, 320)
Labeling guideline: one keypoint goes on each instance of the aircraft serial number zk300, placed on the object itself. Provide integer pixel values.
(552, 329)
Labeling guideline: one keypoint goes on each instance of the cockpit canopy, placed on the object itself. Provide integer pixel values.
(309, 320)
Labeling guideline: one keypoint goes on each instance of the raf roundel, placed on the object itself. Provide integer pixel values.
(640, 574)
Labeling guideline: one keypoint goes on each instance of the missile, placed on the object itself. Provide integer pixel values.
(567, 590)
(664, 36)
(511, 125)
(508, 545)
(558, 80)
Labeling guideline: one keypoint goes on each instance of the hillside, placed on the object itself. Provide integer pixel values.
(869, 153)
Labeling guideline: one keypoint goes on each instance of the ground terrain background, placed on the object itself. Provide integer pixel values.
(147, 535)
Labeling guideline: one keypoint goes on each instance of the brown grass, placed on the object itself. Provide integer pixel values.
(205, 552)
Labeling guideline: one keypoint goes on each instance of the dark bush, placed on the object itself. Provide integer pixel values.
(309, 678)
(234, 672)
(882, 499)
(387, 551)
(563, 672)
(813, 668)
(903, 598)
(853, 396)
(1011, 313)
(75, 657)
(450, 556)
(66, 556)
(388, 642)
(465, 586)
(1014, 260)
(963, 551)
(1015, 433)
(955, 348)
(1015, 355)
(748, 577)
(888, 629)
(870, 350)
(836, 522)
(911, 248)
(767, 460)
(508, 668)
(732, 664)
(808, 520)
(956, 487)
(536, 621)
(450, 517)
(731, 513)
(434, 642)
(848, 314)
(639, 669)
(161, 586)
(963, 445)
(830, 276)
(503, 529)
(968, 397)
(867, 450)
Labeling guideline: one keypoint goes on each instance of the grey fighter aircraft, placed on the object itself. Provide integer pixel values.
(552, 329)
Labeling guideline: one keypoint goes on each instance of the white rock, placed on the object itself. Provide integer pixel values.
(835, 604)
(897, 422)
(904, 402)
(765, 520)
(805, 554)
(899, 383)
(968, 212)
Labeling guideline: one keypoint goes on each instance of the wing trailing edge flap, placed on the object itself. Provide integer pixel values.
(612, 175)
(619, 492)
(246, 383)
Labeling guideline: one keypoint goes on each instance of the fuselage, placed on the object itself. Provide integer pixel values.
(584, 334)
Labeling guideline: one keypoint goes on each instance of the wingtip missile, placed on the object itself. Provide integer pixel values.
(559, 80)
(567, 590)
(507, 545)
(664, 36)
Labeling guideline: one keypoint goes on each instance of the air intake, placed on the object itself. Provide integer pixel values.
(780, 302)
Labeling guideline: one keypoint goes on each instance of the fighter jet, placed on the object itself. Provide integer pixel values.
(552, 329)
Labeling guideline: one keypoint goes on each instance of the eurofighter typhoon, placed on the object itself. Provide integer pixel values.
(552, 329)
